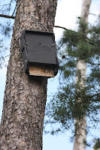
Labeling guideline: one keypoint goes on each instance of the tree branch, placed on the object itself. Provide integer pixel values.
(88, 40)
(64, 28)
(7, 16)
(61, 27)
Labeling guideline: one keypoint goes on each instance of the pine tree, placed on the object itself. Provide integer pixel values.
(25, 98)
(80, 124)
(79, 91)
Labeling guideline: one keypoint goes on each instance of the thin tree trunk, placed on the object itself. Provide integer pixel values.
(80, 125)
(25, 97)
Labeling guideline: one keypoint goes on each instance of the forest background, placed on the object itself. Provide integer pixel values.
(67, 13)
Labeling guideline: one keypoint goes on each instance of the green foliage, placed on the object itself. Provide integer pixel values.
(97, 144)
(73, 101)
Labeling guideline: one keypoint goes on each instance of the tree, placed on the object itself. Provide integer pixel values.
(76, 99)
(80, 124)
(25, 98)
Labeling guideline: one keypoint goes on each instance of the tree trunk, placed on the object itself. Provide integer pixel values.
(25, 97)
(80, 125)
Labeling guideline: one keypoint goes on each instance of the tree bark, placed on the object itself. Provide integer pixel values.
(25, 97)
(80, 125)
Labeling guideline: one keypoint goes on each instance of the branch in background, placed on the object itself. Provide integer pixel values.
(64, 28)
(93, 14)
(61, 27)
(88, 40)
(7, 16)
(14, 11)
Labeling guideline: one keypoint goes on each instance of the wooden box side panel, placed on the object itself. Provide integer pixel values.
(41, 71)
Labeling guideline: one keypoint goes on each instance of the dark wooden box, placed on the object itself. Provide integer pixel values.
(39, 53)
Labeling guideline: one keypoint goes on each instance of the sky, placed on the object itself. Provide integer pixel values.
(66, 16)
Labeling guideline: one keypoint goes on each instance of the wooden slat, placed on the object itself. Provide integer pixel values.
(41, 71)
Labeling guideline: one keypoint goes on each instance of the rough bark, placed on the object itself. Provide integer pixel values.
(25, 97)
(80, 125)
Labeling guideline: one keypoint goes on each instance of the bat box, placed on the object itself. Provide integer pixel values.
(39, 53)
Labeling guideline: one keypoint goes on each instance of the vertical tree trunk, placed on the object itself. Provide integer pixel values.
(25, 98)
(80, 125)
